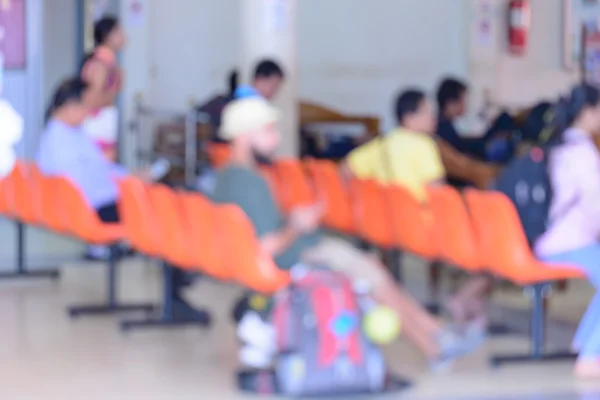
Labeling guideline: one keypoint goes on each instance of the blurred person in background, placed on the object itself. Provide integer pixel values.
(266, 81)
(409, 156)
(104, 78)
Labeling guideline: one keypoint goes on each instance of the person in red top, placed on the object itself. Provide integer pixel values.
(103, 76)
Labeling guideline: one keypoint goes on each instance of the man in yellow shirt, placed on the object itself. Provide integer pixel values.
(408, 155)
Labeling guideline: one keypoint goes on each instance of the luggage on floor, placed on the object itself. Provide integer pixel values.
(321, 345)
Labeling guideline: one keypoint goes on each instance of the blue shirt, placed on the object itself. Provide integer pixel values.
(67, 151)
(246, 91)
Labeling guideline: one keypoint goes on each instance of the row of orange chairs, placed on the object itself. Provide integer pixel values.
(482, 234)
(182, 229)
(479, 232)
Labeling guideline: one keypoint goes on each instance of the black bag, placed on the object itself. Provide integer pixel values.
(527, 183)
(535, 126)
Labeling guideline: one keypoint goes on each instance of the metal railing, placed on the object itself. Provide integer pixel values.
(141, 125)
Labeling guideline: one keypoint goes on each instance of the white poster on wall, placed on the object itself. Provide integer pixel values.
(485, 23)
(135, 13)
(275, 16)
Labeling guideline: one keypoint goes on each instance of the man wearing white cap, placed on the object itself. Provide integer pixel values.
(250, 125)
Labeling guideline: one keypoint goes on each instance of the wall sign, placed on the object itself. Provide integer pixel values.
(13, 46)
(577, 14)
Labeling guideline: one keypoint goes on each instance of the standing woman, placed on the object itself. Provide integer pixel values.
(104, 78)
(573, 236)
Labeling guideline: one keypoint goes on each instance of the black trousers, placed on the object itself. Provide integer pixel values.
(108, 213)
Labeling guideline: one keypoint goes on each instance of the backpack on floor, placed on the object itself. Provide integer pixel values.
(322, 348)
(527, 183)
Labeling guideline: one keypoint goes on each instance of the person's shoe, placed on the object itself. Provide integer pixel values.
(252, 357)
(254, 331)
(183, 311)
(587, 368)
(453, 346)
(97, 253)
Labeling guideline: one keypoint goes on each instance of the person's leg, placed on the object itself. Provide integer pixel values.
(109, 214)
(418, 325)
(590, 320)
(470, 301)
(587, 338)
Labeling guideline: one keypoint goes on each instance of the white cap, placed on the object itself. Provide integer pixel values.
(246, 115)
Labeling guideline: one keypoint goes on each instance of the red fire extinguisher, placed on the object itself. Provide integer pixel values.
(519, 22)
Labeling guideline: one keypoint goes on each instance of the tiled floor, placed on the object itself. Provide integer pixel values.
(44, 355)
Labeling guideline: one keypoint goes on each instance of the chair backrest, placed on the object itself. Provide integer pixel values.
(503, 243)
(137, 216)
(371, 212)
(218, 154)
(205, 243)
(242, 255)
(169, 215)
(296, 189)
(330, 187)
(411, 222)
(4, 192)
(454, 230)
(7, 195)
(80, 218)
(52, 207)
(23, 193)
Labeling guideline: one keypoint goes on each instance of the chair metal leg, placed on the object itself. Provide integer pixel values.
(112, 305)
(395, 264)
(169, 316)
(538, 325)
(21, 272)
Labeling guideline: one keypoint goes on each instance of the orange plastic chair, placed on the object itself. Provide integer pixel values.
(330, 187)
(168, 213)
(24, 193)
(160, 232)
(504, 245)
(296, 189)
(201, 224)
(372, 214)
(137, 217)
(453, 230)
(243, 256)
(412, 223)
(218, 154)
(506, 254)
(83, 222)
(50, 206)
(5, 195)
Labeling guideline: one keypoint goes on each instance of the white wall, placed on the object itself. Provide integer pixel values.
(60, 44)
(193, 46)
(353, 55)
(356, 55)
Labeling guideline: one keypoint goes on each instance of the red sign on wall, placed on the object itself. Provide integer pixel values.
(12, 33)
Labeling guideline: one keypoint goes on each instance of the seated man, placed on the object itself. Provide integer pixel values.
(66, 150)
(266, 81)
(408, 156)
(493, 146)
(250, 125)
